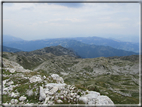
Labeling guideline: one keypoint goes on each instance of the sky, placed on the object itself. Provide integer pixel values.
(33, 21)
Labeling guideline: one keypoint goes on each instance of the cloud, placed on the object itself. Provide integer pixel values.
(69, 5)
(44, 20)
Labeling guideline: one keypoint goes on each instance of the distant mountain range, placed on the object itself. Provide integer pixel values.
(85, 47)
(8, 38)
(9, 49)
(128, 46)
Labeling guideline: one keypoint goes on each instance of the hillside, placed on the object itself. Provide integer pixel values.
(8, 49)
(127, 46)
(9, 38)
(117, 78)
(26, 87)
(29, 60)
(82, 49)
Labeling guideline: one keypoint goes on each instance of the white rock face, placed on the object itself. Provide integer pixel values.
(94, 98)
(59, 101)
(84, 99)
(14, 94)
(53, 90)
(29, 92)
(12, 70)
(13, 66)
(103, 100)
(22, 98)
(51, 85)
(57, 78)
(42, 94)
(35, 79)
(14, 101)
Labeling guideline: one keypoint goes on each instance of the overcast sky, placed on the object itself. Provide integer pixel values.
(32, 21)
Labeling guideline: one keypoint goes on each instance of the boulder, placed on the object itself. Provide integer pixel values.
(104, 100)
(53, 90)
(14, 94)
(29, 92)
(94, 98)
(42, 94)
(22, 98)
(84, 99)
(12, 70)
(35, 79)
(57, 78)
(59, 101)
(14, 101)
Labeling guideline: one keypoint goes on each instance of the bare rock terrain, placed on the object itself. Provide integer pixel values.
(27, 87)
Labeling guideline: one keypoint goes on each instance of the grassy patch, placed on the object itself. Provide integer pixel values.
(6, 98)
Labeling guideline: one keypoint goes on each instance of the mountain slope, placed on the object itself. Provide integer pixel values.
(30, 60)
(117, 78)
(8, 38)
(9, 49)
(83, 50)
(26, 87)
(56, 50)
(128, 46)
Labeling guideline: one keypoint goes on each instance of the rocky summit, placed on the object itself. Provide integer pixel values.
(26, 87)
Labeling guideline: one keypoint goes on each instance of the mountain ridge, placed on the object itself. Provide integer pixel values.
(82, 49)
(9, 49)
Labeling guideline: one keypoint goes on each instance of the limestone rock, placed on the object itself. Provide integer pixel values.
(22, 98)
(57, 78)
(53, 90)
(94, 98)
(42, 94)
(29, 92)
(14, 94)
(103, 100)
(59, 101)
(12, 70)
(35, 79)
(14, 101)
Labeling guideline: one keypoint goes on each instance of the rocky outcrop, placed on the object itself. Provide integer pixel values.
(61, 92)
(26, 86)
(35, 79)
(94, 98)
(57, 78)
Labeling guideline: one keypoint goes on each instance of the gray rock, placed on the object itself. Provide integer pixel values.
(29, 92)
(22, 98)
(14, 94)
(57, 78)
(35, 79)
(42, 94)
(104, 100)
(59, 101)
(14, 101)
(53, 90)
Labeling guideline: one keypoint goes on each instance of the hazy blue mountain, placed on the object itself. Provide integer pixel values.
(128, 46)
(8, 38)
(9, 49)
(82, 49)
